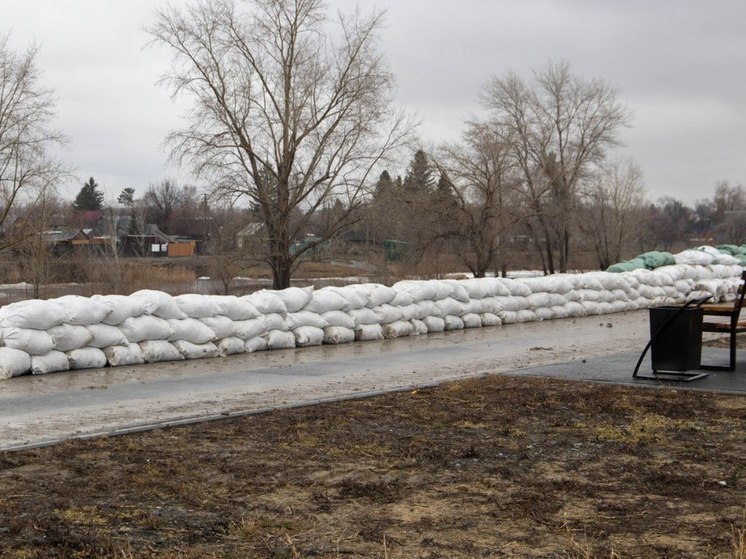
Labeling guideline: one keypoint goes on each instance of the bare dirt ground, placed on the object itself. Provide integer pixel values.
(493, 467)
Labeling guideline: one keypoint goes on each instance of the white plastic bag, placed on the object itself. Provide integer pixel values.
(87, 358)
(338, 335)
(230, 346)
(146, 327)
(120, 308)
(13, 362)
(191, 330)
(52, 362)
(67, 337)
(196, 351)
(33, 342)
(119, 355)
(105, 335)
(154, 351)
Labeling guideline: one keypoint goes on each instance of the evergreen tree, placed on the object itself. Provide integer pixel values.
(419, 179)
(384, 186)
(127, 197)
(89, 197)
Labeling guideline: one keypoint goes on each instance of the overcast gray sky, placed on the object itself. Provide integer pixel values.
(680, 66)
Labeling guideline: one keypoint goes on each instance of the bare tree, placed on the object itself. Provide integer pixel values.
(613, 204)
(26, 110)
(561, 126)
(475, 202)
(290, 111)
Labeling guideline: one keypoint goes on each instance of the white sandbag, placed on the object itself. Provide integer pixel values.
(364, 316)
(196, 351)
(146, 327)
(450, 306)
(423, 309)
(33, 342)
(255, 344)
(419, 290)
(247, 329)
(620, 306)
(276, 321)
(34, 314)
(233, 307)
(490, 319)
(508, 317)
(66, 337)
(516, 287)
(443, 289)
(560, 312)
(434, 323)
(368, 332)
(727, 259)
(295, 298)
(266, 302)
(305, 318)
(356, 295)
(479, 288)
(408, 312)
(452, 322)
(279, 339)
(195, 305)
(222, 326)
(191, 330)
(81, 311)
(380, 294)
(548, 284)
(538, 300)
(418, 327)
(231, 346)
(574, 309)
(119, 355)
(104, 335)
(401, 299)
(397, 329)
(155, 351)
(590, 307)
(158, 303)
(89, 358)
(693, 257)
(120, 308)
(513, 303)
(388, 313)
(458, 291)
(544, 313)
(339, 318)
(472, 320)
(338, 335)
(306, 336)
(485, 305)
(326, 299)
(52, 362)
(13, 362)
(714, 287)
(525, 315)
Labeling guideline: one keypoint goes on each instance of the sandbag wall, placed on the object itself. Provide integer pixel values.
(73, 332)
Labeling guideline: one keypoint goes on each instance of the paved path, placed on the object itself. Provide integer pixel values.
(36, 410)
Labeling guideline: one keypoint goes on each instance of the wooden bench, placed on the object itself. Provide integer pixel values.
(726, 320)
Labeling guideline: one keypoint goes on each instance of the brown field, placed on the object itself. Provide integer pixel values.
(495, 467)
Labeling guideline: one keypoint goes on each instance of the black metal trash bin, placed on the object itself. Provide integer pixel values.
(678, 346)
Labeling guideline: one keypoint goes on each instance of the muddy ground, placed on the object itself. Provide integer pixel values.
(493, 467)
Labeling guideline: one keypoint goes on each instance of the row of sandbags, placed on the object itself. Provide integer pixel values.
(73, 332)
(729, 255)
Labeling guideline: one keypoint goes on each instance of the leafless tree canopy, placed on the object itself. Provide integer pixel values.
(290, 109)
(561, 126)
(26, 110)
(477, 203)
